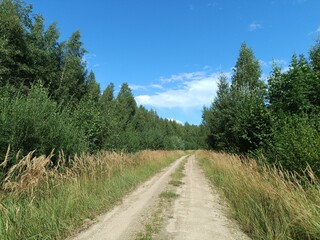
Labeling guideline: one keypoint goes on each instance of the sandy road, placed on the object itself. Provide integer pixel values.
(124, 220)
(195, 214)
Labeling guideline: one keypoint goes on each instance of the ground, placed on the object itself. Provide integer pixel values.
(160, 210)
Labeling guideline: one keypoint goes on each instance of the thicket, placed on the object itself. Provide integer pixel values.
(50, 100)
(277, 121)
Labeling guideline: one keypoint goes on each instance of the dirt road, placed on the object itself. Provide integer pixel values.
(124, 220)
(195, 214)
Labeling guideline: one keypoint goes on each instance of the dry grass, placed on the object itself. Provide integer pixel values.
(269, 203)
(42, 201)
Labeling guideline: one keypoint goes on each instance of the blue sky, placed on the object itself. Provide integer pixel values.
(171, 52)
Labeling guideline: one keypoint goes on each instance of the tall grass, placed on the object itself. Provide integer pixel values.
(267, 202)
(41, 201)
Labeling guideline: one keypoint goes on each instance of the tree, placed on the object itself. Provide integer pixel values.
(126, 105)
(73, 73)
(247, 70)
(290, 91)
(107, 95)
(110, 123)
(238, 120)
(315, 86)
(14, 58)
(92, 88)
(217, 118)
(44, 52)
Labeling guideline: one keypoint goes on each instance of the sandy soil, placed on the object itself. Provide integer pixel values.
(127, 218)
(195, 214)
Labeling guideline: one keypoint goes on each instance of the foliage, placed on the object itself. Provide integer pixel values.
(247, 70)
(50, 99)
(290, 91)
(280, 124)
(237, 119)
(35, 122)
(295, 143)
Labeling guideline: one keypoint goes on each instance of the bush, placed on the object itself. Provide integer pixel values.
(35, 122)
(295, 144)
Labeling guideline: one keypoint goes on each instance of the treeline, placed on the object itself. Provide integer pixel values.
(49, 99)
(277, 121)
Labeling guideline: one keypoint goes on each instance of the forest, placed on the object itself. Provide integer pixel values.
(276, 122)
(70, 151)
(51, 101)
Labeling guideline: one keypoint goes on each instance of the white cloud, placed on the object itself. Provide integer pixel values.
(197, 89)
(175, 120)
(157, 86)
(286, 69)
(263, 63)
(315, 32)
(254, 26)
(183, 77)
(279, 62)
(137, 87)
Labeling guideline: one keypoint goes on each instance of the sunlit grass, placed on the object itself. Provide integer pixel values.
(39, 201)
(267, 202)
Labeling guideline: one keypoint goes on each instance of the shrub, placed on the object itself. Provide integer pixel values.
(35, 122)
(295, 144)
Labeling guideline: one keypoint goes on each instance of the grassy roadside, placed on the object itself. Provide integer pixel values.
(265, 202)
(41, 202)
(157, 218)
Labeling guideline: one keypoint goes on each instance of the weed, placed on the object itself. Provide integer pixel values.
(176, 183)
(168, 194)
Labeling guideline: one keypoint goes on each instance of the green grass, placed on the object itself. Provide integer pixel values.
(178, 174)
(268, 203)
(59, 204)
(168, 195)
(176, 183)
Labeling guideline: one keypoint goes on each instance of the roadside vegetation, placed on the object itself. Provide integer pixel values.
(49, 99)
(39, 201)
(275, 121)
(268, 203)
